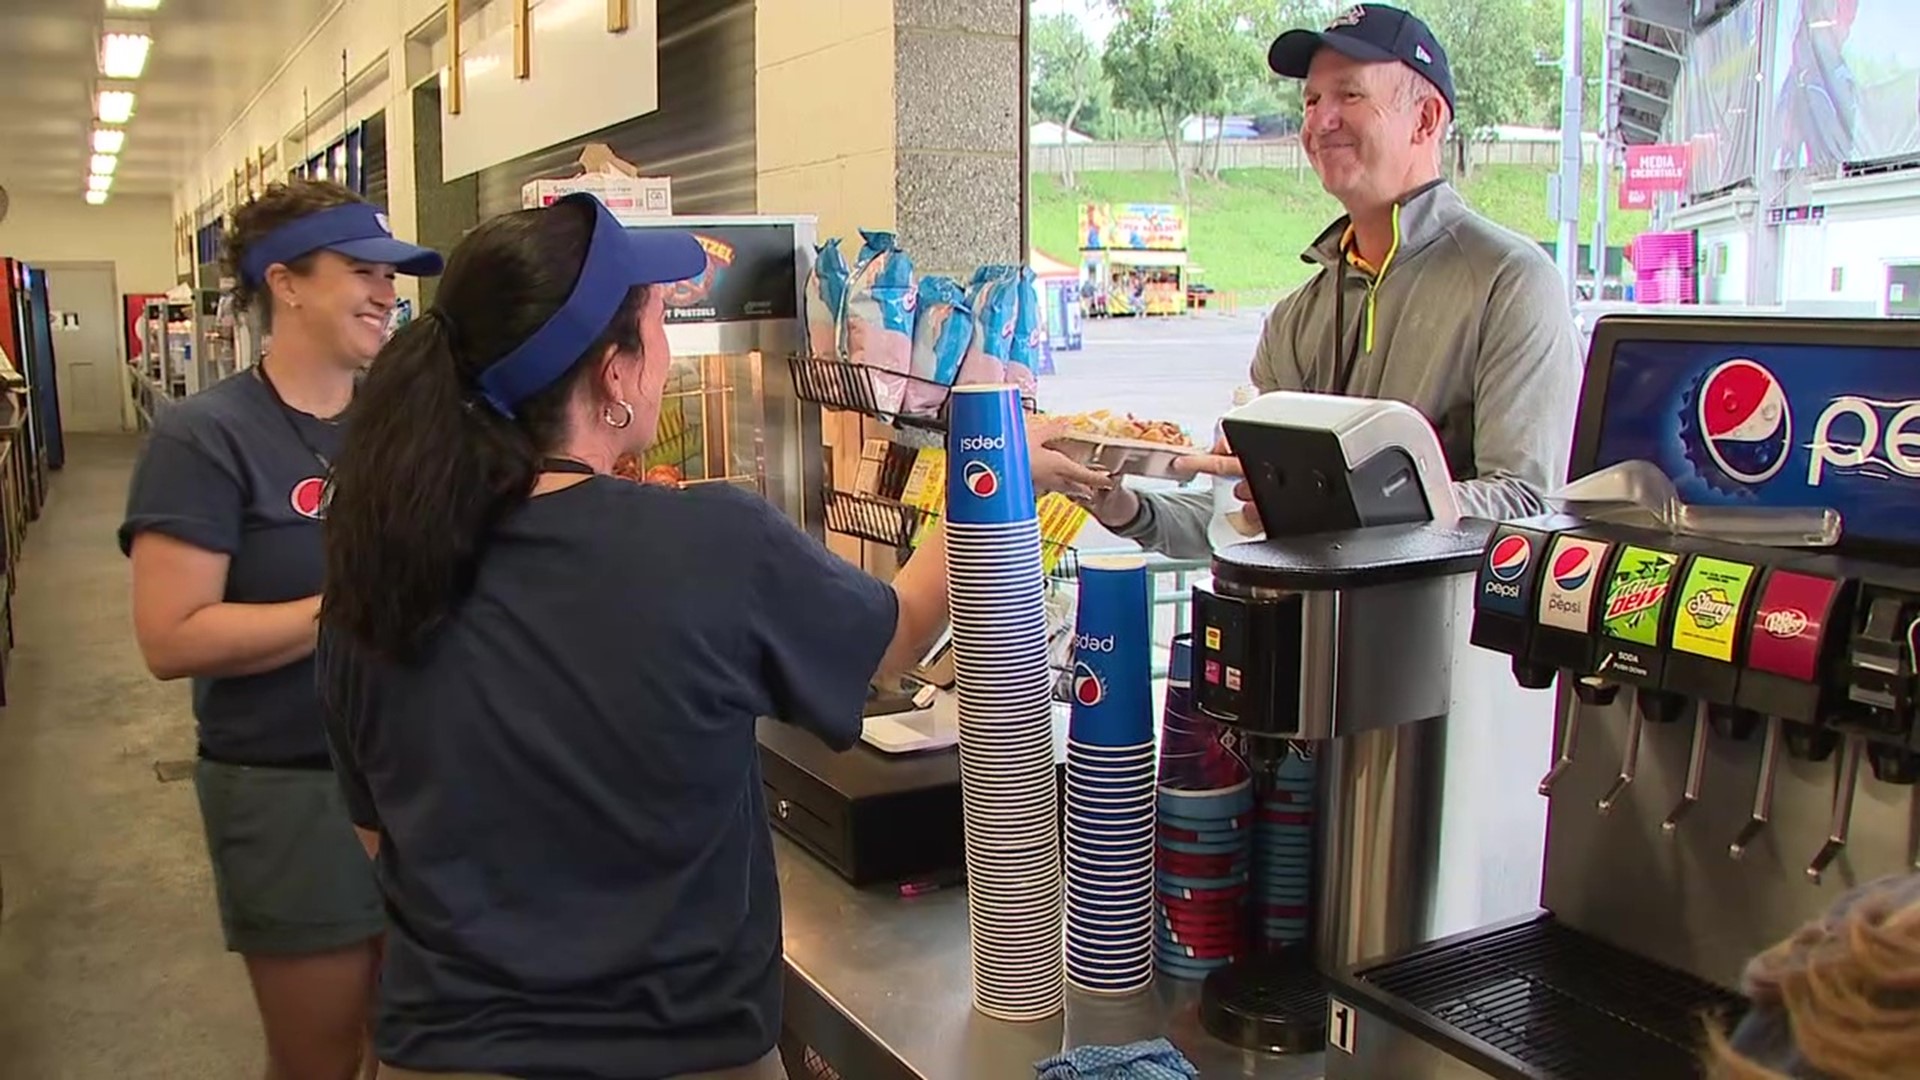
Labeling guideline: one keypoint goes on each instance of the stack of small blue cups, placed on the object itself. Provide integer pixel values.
(1009, 789)
(1202, 839)
(1110, 782)
(1283, 851)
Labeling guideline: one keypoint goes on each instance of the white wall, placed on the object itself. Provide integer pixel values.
(1869, 222)
(133, 233)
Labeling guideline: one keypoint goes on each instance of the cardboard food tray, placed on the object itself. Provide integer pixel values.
(1124, 457)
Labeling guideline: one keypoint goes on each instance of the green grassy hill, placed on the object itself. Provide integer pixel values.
(1249, 228)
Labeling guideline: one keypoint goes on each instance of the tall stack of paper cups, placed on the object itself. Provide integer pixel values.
(1008, 791)
(1110, 782)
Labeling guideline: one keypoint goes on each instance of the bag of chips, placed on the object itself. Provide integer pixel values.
(826, 287)
(876, 324)
(942, 334)
(995, 309)
(1029, 334)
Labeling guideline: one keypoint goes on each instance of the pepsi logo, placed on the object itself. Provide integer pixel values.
(381, 220)
(1509, 557)
(1087, 689)
(1744, 421)
(983, 442)
(980, 479)
(1089, 643)
(1573, 567)
(309, 497)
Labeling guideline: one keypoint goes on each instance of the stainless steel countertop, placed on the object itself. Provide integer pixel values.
(898, 970)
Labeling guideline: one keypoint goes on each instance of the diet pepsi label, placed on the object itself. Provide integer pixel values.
(1507, 570)
(1572, 576)
(1774, 425)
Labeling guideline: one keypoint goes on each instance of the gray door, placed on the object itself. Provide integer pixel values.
(85, 310)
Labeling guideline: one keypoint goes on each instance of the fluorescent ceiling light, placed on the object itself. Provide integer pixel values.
(133, 5)
(124, 56)
(104, 164)
(99, 182)
(95, 198)
(107, 141)
(115, 106)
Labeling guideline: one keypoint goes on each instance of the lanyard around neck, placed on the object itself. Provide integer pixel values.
(287, 415)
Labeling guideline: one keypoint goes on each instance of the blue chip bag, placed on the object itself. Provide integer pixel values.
(825, 292)
(1029, 333)
(942, 334)
(995, 308)
(876, 316)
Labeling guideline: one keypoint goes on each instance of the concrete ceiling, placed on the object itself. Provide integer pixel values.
(209, 58)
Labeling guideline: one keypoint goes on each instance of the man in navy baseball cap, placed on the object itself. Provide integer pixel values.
(1415, 297)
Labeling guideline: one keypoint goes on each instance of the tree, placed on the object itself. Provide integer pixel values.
(1490, 45)
(1158, 65)
(1067, 78)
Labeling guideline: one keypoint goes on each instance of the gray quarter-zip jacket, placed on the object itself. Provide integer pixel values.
(1466, 321)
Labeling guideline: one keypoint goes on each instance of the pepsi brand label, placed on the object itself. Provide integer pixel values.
(1572, 578)
(1774, 425)
(1637, 595)
(988, 479)
(1506, 571)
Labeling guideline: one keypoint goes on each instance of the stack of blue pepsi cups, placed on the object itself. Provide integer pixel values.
(1283, 851)
(1110, 781)
(1009, 789)
(1202, 839)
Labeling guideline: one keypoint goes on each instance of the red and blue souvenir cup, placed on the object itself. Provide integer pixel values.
(1112, 684)
(989, 477)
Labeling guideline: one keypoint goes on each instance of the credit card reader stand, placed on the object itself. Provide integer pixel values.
(1336, 631)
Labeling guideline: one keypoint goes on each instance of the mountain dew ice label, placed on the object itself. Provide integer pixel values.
(1637, 595)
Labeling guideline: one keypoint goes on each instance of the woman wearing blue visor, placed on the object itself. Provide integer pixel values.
(542, 680)
(223, 527)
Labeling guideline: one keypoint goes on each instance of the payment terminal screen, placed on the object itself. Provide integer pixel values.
(1774, 425)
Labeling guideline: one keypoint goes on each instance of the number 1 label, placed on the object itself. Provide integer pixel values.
(1340, 1024)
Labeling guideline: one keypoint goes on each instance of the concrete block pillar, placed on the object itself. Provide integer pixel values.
(905, 115)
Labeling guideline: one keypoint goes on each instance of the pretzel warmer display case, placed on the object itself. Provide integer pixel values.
(728, 415)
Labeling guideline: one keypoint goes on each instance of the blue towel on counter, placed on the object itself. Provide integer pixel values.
(1152, 1059)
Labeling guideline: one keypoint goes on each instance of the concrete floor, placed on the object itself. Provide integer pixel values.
(111, 964)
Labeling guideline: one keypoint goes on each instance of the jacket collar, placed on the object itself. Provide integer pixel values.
(1425, 213)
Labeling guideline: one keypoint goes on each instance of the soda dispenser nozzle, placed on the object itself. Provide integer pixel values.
(1843, 787)
(1569, 739)
(1696, 766)
(1630, 760)
(1762, 791)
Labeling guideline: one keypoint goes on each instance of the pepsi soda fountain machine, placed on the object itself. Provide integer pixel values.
(1337, 632)
(1736, 720)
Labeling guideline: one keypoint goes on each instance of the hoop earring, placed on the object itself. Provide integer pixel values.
(626, 414)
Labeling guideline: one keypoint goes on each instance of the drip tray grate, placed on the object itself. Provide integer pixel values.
(1563, 1005)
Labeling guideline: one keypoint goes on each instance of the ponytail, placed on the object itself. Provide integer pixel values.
(429, 469)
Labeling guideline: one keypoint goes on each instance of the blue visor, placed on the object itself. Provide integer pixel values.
(617, 260)
(356, 230)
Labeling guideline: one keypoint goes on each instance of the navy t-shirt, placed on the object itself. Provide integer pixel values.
(575, 852)
(231, 470)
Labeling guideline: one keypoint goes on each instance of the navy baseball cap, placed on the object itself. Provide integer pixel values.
(1370, 33)
(357, 230)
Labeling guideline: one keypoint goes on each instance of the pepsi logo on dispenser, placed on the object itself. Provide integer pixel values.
(1088, 690)
(1573, 571)
(980, 479)
(1506, 561)
(1745, 423)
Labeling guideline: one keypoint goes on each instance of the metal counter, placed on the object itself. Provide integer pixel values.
(880, 987)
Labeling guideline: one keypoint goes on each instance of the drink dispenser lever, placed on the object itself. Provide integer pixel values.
(1630, 761)
(1696, 765)
(1762, 791)
(1843, 787)
(1569, 741)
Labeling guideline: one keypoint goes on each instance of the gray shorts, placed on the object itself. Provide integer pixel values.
(290, 874)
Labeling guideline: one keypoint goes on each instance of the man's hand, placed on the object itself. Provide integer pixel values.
(1055, 471)
(1222, 462)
